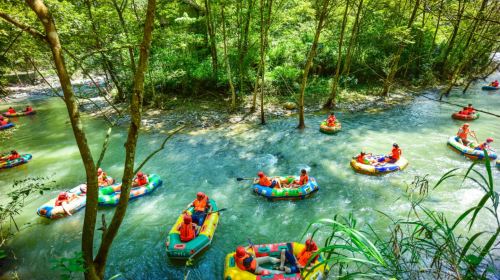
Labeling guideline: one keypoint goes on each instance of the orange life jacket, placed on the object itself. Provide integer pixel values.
(4, 122)
(240, 263)
(264, 181)
(200, 205)
(11, 157)
(187, 232)
(303, 179)
(361, 159)
(103, 178)
(304, 256)
(396, 153)
(483, 146)
(11, 111)
(142, 181)
(463, 132)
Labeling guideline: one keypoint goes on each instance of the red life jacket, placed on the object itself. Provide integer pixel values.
(200, 205)
(187, 232)
(240, 262)
(141, 181)
(361, 159)
(303, 179)
(396, 153)
(264, 181)
(11, 111)
(462, 133)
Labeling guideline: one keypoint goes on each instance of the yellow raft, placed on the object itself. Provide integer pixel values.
(369, 169)
(232, 272)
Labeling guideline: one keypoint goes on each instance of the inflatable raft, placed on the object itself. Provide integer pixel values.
(9, 125)
(232, 272)
(463, 117)
(109, 196)
(77, 202)
(490, 88)
(330, 129)
(19, 114)
(288, 193)
(468, 151)
(176, 249)
(369, 169)
(25, 158)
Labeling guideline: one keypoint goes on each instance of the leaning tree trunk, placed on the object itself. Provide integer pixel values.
(330, 103)
(395, 62)
(109, 234)
(312, 53)
(211, 35)
(352, 40)
(226, 60)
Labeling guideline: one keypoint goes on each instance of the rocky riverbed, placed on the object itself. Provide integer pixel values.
(205, 113)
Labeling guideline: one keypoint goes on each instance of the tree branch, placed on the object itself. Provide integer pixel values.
(160, 148)
(23, 27)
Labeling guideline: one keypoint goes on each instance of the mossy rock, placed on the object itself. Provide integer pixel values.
(289, 105)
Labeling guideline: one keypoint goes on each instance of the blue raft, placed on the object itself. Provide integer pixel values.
(489, 88)
(9, 125)
(287, 193)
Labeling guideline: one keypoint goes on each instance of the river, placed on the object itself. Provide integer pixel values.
(210, 160)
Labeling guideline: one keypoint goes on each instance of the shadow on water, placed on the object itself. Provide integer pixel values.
(211, 160)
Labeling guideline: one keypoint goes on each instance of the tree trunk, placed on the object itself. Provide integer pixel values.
(228, 66)
(352, 40)
(330, 103)
(131, 144)
(108, 65)
(456, 26)
(52, 38)
(395, 63)
(437, 25)
(312, 53)
(211, 35)
(119, 11)
(244, 46)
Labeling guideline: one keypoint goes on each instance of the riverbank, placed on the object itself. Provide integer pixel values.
(208, 112)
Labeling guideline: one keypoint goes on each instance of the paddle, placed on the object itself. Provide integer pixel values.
(241, 179)
(220, 210)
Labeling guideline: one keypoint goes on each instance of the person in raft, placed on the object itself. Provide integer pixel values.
(249, 262)
(494, 83)
(362, 158)
(3, 122)
(462, 134)
(265, 181)
(330, 121)
(14, 155)
(187, 230)
(64, 199)
(28, 109)
(470, 110)
(302, 181)
(201, 206)
(299, 262)
(11, 110)
(464, 111)
(102, 178)
(140, 180)
(394, 156)
(485, 145)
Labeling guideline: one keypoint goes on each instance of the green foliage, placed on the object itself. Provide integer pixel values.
(69, 267)
(425, 244)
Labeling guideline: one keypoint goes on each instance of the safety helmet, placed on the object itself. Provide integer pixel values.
(240, 251)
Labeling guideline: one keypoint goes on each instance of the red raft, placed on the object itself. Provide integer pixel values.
(463, 117)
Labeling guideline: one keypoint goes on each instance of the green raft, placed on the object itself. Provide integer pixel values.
(110, 196)
(176, 249)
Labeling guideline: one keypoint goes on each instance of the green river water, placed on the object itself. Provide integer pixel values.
(210, 160)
